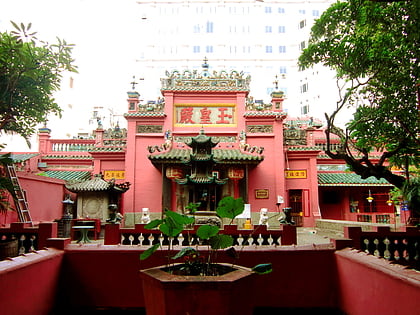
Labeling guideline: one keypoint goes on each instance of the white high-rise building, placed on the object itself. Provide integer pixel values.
(261, 38)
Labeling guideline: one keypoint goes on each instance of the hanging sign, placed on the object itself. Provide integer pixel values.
(173, 173)
(108, 175)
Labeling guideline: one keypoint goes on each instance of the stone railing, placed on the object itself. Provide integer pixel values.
(258, 236)
(71, 145)
(29, 238)
(402, 247)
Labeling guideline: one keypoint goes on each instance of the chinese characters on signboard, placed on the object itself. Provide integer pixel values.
(205, 114)
(108, 175)
(295, 173)
(261, 194)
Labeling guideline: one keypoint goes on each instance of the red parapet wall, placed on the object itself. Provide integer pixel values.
(29, 283)
(371, 285)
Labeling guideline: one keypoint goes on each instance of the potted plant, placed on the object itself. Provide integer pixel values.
(199, 284)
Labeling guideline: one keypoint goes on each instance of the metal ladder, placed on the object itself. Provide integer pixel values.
(21, 202)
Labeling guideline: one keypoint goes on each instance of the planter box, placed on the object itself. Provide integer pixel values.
(168, 294)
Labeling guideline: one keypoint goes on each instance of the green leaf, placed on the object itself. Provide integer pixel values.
(221, 241)
(263, 269)
(230, 207)
(153, 224)
(186, 251)
(204, 232)
(178, 218)
(148, 252)
(170, 229)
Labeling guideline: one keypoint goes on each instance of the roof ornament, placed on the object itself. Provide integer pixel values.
(205, 67)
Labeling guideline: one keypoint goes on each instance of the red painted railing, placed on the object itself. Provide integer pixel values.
(258, 236)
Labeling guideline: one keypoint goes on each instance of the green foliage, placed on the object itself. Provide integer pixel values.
(30, 72)
(263, 269)
(374, 47)
(6, 185)
(230, 207)
(172, 224)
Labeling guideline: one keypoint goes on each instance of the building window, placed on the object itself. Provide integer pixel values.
(209, 49)
(305, 110)
(302, 11)
(246, 49)
(282, 29)
(196, 49)
(196, 28)
(283, 69)
(267, 9)
(302, 24)
(302, 45)
(268, 29)
(304, 88)
(315, 12)
(209, 27)
(281, 10)
(282, 49)
(269, 49)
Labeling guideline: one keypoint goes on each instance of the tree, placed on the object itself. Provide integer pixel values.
(374, 47)
(30, 72)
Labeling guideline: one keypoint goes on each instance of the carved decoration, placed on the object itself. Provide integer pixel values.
(149, 129)
(259, 129)
(294, 137)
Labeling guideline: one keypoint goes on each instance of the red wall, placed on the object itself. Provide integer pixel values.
(28, 284)
(369, 285)
(44, 195)
(108, 276)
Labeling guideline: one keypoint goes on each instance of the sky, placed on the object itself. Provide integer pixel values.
(105, 38)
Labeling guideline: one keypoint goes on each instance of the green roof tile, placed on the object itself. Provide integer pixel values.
(20, 157)
(349, 179)
(225, 155)
(67, 175)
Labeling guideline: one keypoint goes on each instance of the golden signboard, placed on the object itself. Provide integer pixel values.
(295, 174)
(204, 114)
(261, 194)
(114, 175)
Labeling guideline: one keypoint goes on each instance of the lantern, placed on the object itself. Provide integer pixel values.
(235, 173)
(173, 173)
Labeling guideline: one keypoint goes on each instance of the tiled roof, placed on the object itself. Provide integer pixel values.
(145, 114)
(95, 184)
(67, 175)
(222, 155)
(67, 157)
(265, 114)
(303, 148)
(348, 179)
(206, 88)
(107, 149)
(20, 157)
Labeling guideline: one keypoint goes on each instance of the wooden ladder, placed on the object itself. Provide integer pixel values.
(21, 202)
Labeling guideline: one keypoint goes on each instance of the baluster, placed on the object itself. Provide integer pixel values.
(387, 253)
(161, 239)
(270, 240)
(180, 239)
(122, 239)
(240, 240)
(405, 253)
(376, 251)
(250, 240)
(32, 247)
(260, 240)
(170, 241)
(131, 239)
(141, 239)
(396, 251)
(151, 238)
(22, 249)
(366, 242)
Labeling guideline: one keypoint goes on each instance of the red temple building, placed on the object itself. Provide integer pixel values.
(205, 138)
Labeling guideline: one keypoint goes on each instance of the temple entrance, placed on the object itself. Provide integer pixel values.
(296, 203)
(207, 197)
